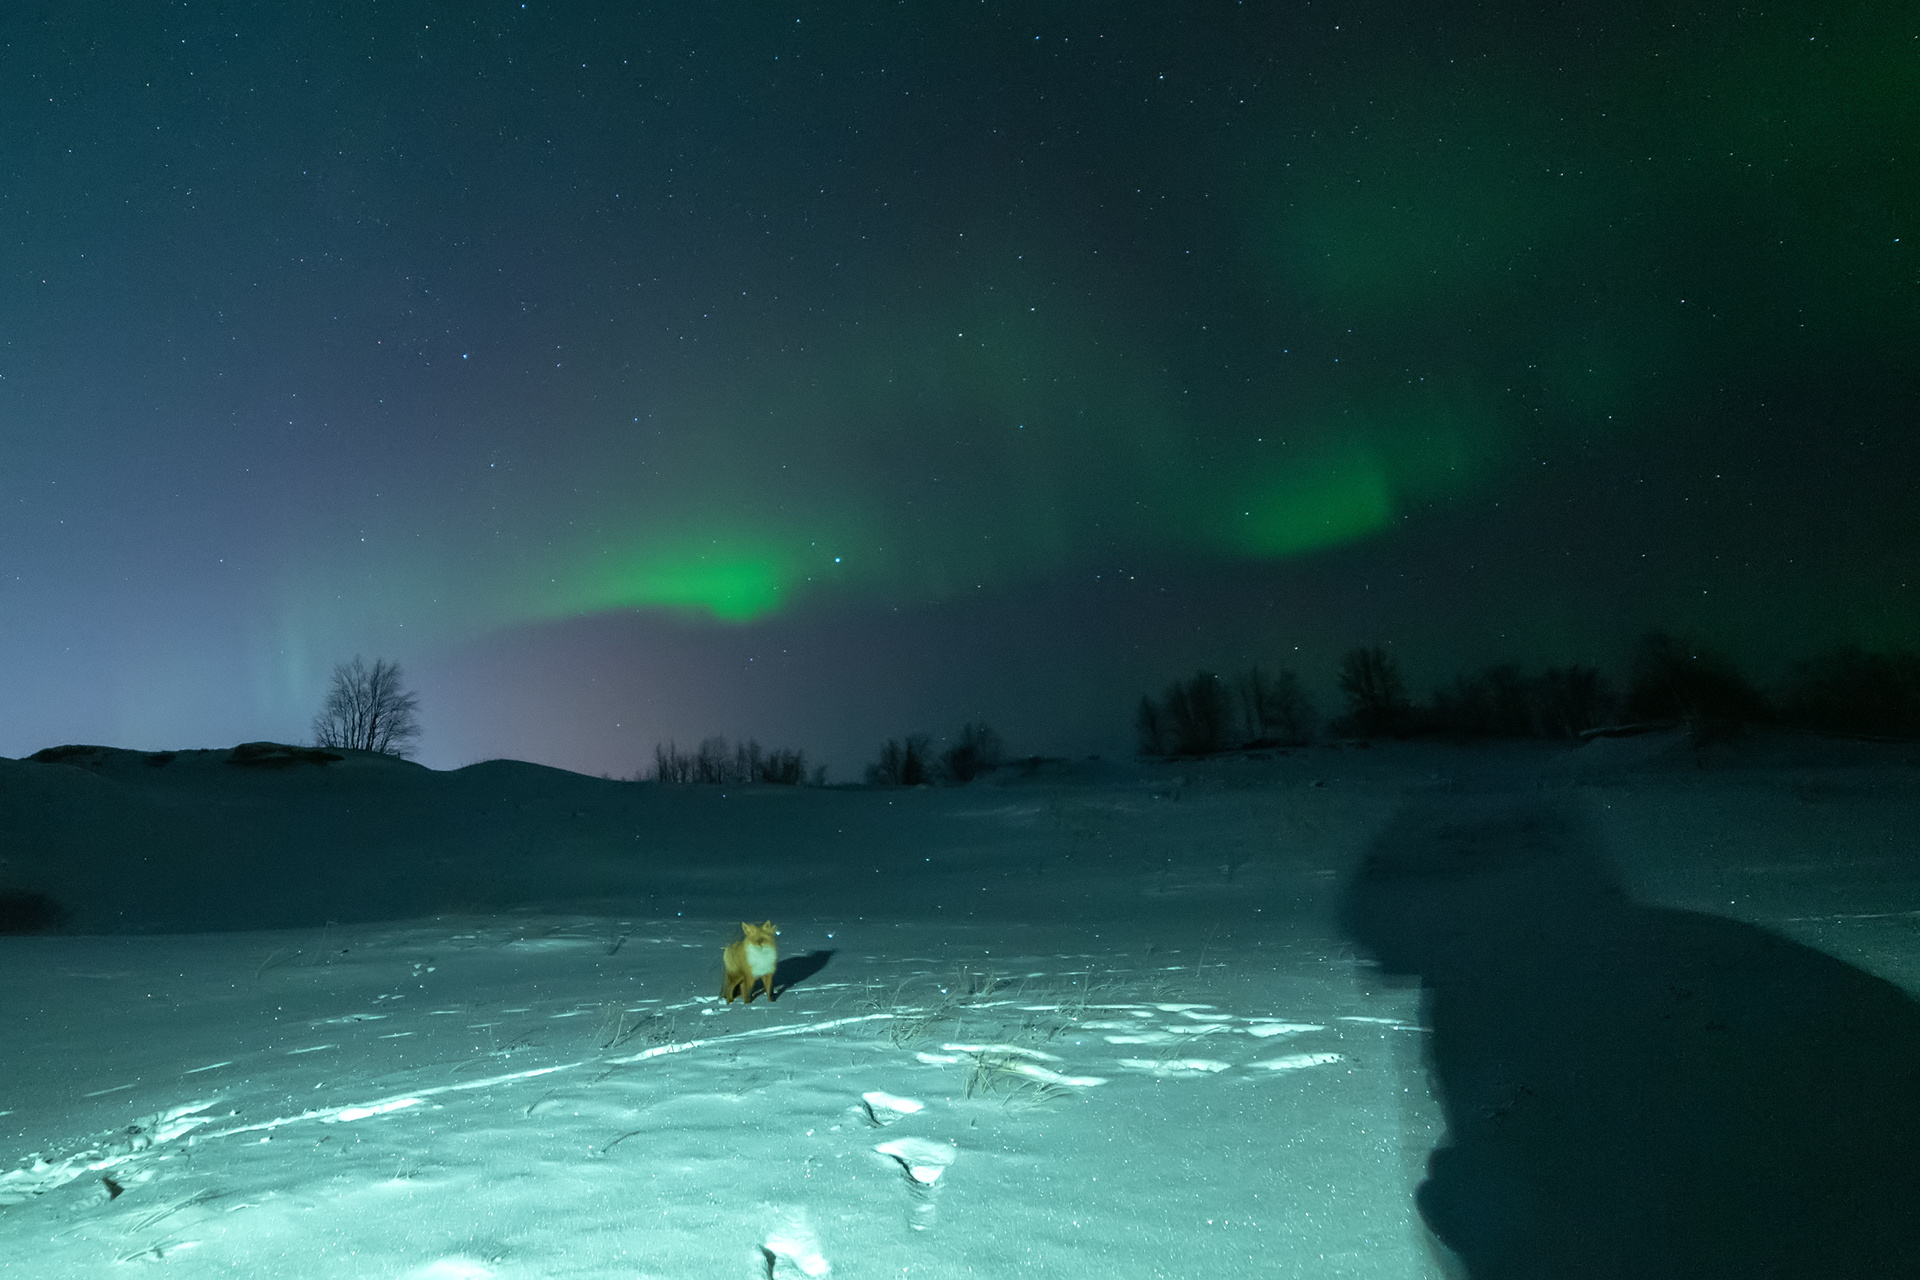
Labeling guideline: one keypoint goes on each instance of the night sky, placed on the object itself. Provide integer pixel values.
(822, 373)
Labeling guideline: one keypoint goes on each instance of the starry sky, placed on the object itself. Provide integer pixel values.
(824, 373)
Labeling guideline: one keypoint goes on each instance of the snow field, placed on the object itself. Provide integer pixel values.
(458, 1099)
(1087, 1024)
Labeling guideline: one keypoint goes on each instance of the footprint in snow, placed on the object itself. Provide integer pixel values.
(792, 1246)
(923, 1162)
(121, 1155)
(883, 1109)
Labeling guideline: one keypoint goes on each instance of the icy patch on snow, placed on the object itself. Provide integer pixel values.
(1015, 1049)
(1180, 1036)
(1175, 1068)
(1264, 1029)
(1148, 1037)
(1296, 1061)
(175, 1122)
(1045, 1076)
(1008, 1058)
(451, 1269)
(17, 1186)
(349, 1114)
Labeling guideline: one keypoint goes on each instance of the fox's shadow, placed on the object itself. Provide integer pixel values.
(1631, 1090)
(798, 969)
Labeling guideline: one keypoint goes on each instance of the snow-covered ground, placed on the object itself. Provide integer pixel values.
(1077, 1020)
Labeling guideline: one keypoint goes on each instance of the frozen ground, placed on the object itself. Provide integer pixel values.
(1091, 1020)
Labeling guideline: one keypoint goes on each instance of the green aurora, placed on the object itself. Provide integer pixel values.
(1447, 281)
(734, 319)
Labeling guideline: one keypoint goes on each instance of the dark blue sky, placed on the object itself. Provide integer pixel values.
(823, 373)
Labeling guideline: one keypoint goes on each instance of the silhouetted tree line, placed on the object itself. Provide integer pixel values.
(1505, 702)
(1205, 713)
(1851, 690)
(911, 762)
(718, 762)
(1672, 682)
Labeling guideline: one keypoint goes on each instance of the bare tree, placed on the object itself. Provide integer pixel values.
(1194, 717)
(671, 764)
(1276, 709)
(902, 766)
(1151, 724)
(367, 709)
(1199, 710)
(1375, 692)
(713, 764)
(977, 752)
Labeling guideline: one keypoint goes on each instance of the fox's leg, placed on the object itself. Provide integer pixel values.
(767, 979)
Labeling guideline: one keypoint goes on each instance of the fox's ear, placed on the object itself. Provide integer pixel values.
(767, 925)
(745, 927)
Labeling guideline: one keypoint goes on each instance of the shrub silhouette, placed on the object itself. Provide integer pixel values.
(270, 755)
(977, 752)
(1851, 690)
(1376, 693)
(781, 768)
(900, 765)
(24, 911)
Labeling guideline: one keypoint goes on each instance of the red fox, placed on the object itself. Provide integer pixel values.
(750, 962)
